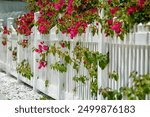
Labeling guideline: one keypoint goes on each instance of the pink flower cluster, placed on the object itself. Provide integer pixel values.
(131, 9)
(114, 10)
(62, 45)
(117, 27)
(79, 25)
(25, 23)
(42, 3)
(6, 31)
(42, 47)
(141, 3)
(58, 5)
(70, 7)
(42, 64)
(43, 25)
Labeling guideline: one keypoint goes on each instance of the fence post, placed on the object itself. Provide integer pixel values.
(36, 15)
(1, 29)
(12, 43)
(101, 46)
(9, 44)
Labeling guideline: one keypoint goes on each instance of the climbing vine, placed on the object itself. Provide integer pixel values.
(24, 69)
(80, 57)
(139, 89)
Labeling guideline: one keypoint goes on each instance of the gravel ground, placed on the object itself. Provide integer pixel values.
(10, 89)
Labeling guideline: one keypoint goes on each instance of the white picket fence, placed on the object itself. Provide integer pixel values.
(126, 56)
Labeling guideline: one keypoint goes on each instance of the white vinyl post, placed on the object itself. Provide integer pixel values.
(1, 48)
(100, 49)
(36, 15)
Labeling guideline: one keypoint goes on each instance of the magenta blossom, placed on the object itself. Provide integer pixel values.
(110, 21)
(131, 9)
(117, 27)
(45, 47)
(114, 10)
(141, 3)
(42, 64)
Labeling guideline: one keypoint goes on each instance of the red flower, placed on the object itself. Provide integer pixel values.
(70, 7)
(25, 23)
(109, 1)
(38, 51)
(117, 27)
(62, 45)
(131, 9)
(141, 3)
(42, 42)
(45, 47)
(114, 10)
(109, 21)
(59, 5)
(43, 25)
(5, 31)
(42, 64)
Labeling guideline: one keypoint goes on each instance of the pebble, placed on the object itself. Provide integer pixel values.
(16, 91)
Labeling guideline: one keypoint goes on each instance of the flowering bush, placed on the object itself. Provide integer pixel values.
(25, 24)
(73, 17)
(120, 16)
(77, 16)
(49, 12)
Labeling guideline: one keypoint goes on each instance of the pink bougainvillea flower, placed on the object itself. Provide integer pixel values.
(38, 51)
(141, 3)
(5, 31)
(131, 9)
(45, 47)
(59, 5)
(114, 10)
(62, 45)
(109, 1)
(42, 42)
(50, 14)
(110, 21)
(93, 10)
(73, 32)
(42, 64)
(70, 7)
(25, 23)
(43, 25)
(42, 29)
(117, 27)
(40, 47)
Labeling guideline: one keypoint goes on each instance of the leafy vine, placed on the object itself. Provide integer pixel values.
(24, 69)
(138, 91)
